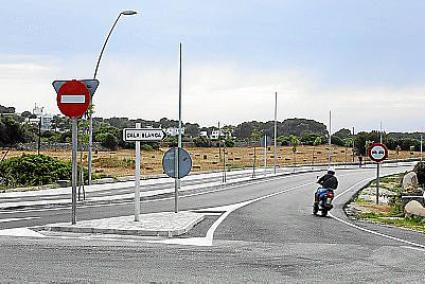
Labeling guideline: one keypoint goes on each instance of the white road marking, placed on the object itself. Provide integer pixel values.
(414, 248)
(228, 209)
(367, 230)
(21, 232)
(17, 219)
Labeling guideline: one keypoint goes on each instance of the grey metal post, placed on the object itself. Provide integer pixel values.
(74, 170)
(265, 154)
(177, 180)
(39, 135)
(275, 134)
(255, 158)
(353, 144)
(219, 145)
(421, 148)
(378, 165)
(225, 162)
(137, 179)
(330, 141)
(90, 155)
(377, 183)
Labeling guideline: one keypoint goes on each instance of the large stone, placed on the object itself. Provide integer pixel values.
(410, 183)
(414, 208)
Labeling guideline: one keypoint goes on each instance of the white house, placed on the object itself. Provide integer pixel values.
(44, 118)
(173, 131)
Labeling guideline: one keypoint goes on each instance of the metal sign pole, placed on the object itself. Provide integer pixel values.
(265, 154)
(224, 164)
(137, 179)
(177, 169)
(330, 139)
(74, 170)
(377, 183)
(275, 134)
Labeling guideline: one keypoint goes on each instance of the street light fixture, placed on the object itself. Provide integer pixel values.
(90, 156)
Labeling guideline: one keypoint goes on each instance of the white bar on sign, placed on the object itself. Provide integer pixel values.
(73, 99)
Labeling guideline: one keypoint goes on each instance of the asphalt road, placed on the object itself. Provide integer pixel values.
(272, 240)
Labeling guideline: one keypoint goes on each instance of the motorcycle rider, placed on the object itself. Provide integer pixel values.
(327, 182)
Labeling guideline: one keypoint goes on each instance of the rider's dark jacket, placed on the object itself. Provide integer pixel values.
(328, 181)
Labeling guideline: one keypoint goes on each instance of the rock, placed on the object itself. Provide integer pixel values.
(414, 208)
(410, 183)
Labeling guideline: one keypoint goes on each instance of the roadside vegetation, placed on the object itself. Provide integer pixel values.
(390, 209)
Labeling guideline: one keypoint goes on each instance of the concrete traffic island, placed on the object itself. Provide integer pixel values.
(166, 224)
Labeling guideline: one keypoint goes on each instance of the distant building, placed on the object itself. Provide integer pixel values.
(41, 117)
(203, 133)
(173, 131)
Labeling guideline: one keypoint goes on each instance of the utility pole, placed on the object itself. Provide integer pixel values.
(329, 140)
(177, 169)
(219, 146)
(265, 154)
(39, 134)
(137, 178)
(421, 148)
(353, 144)
(275, 135)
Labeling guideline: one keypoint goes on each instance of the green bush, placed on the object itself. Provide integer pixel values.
(229, 142)
(419, 169)
(33, 170)
(146, 147)
(202, 142)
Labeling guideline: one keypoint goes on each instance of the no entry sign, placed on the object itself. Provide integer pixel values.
(378, 152)
(73, 98)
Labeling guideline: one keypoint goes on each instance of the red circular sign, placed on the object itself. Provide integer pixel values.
(73, 98)
(377, 152)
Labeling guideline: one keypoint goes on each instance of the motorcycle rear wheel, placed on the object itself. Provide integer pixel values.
(315, 208)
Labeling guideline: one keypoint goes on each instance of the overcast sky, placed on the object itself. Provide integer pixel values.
(362, 59)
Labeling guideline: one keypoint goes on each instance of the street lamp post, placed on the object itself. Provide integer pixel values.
(90, 155)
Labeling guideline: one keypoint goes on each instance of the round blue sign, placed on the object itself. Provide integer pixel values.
(168, 162)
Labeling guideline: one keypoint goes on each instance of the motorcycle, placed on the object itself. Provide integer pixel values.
(324, 202)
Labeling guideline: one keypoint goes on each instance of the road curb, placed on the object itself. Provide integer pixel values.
(134, 232)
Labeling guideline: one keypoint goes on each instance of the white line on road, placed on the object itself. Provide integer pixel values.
(367, 230)
(208, 239)
(17, 219)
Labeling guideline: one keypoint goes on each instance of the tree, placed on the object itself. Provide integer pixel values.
(11, 132)
(294, 143)
(316, 142)
(191, 129)
(202, 142)
(343, 133)
(108, 140)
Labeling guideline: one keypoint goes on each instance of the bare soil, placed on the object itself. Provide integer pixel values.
(121, 162)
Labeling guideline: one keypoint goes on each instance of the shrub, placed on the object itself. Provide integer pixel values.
(229, 142)
(146, 147)
(419, 169)
(33, 170)
(202, 142)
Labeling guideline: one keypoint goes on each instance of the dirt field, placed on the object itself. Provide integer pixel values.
(121, 163)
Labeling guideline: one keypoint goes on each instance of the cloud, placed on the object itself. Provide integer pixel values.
(225, 92)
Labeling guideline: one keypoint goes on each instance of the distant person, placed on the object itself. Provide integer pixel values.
(360, 161)
(327, 182)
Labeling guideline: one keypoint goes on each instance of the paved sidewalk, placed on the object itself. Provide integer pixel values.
(61, 196)
(167, 224)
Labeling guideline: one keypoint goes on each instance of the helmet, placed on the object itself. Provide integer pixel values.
(331, 170)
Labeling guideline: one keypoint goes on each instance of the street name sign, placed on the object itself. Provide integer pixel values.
(143, 134)
(378, 152)
(73, 98)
